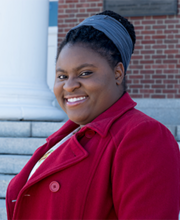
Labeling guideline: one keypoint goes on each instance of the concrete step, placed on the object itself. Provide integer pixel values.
(12, 164)
(20, 145)
(4, 181)
(28, 129)
(3, 215)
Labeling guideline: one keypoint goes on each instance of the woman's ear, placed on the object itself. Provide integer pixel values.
(119, 73)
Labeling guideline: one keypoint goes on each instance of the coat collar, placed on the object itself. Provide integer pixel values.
(102, 123)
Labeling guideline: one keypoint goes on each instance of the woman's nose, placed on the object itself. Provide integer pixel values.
(71, 84)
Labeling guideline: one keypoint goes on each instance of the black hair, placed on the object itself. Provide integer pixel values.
(98, 41)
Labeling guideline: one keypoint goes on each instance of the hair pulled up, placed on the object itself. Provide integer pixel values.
(98, 41)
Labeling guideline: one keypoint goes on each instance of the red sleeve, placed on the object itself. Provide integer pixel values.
(146, 174)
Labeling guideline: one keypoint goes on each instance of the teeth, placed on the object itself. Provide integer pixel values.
(76, 99)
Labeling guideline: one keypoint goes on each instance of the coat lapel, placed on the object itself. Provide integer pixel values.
(68, 154)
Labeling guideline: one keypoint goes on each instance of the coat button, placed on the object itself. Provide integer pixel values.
(89, 133)
(54, 186)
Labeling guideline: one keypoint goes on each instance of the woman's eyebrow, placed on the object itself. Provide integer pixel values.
(84, 65)
(77, 68)
(60, 70)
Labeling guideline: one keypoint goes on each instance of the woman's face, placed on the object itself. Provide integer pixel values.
(85, 84)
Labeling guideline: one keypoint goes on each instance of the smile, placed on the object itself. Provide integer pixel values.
(76, 99)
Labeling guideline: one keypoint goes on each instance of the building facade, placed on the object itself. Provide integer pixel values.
(153, 76)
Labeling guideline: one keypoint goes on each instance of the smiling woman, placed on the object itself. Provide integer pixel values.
(109, 161)
(87, 85)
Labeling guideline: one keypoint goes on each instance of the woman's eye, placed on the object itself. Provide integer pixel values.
(86, 73)
(62, 77)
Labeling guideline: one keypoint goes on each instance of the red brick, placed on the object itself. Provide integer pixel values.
(171, 21)
(147, 51)
(146, 86)
(159, 86)
(158, 91)
(160, 17)
(171, 71)
(162, 46)
(147, 76)
(158, 37)
(169, 96)
(159, 51)
(171, 26)
(177, 56)
(148, 42)
(135, 96)
(147, 62)
(72, 1)
(168, 41)
(177, 36)
(71, 10)
(135, 90)
(135, 76)
(170, 81)
(146, 95)
(138, 28)
(169, 61)
(71, 20)
(93, 10)
(159, 66)
(100, 5)
(171, 46)
(81, 15)
(159, 56)
(159, 71)
(159, 76)
(159, 27)
(170, 91)
(147, 27)
(171, 31)
(170, 56)
(147, 81)
(148, 32)
(135, 86)
(170, 76)
(63, 16)
(84, 5)
(160, 32)
(158, 96)
(146, 90)
(149, 22)
(170, 36)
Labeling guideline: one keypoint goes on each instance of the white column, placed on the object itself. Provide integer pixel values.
(24, 94)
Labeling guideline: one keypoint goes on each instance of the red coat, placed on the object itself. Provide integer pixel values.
(122, 165)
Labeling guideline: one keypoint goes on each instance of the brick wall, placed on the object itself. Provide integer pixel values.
(154, 71)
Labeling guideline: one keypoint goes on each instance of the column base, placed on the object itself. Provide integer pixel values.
(31, 113)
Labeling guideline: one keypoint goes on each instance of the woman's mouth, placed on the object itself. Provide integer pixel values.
(75, 100)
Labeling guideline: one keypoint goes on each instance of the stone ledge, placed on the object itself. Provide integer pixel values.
(178, 133)
(15, 129)
(164, 110)
(45, 129)
(26, 146)
(4, 181)
(28, 129)
(3, 214)
(12, 164)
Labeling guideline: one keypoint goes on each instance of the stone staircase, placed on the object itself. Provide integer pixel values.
(18, 141)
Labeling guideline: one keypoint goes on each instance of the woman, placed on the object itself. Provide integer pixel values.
(109, 161)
